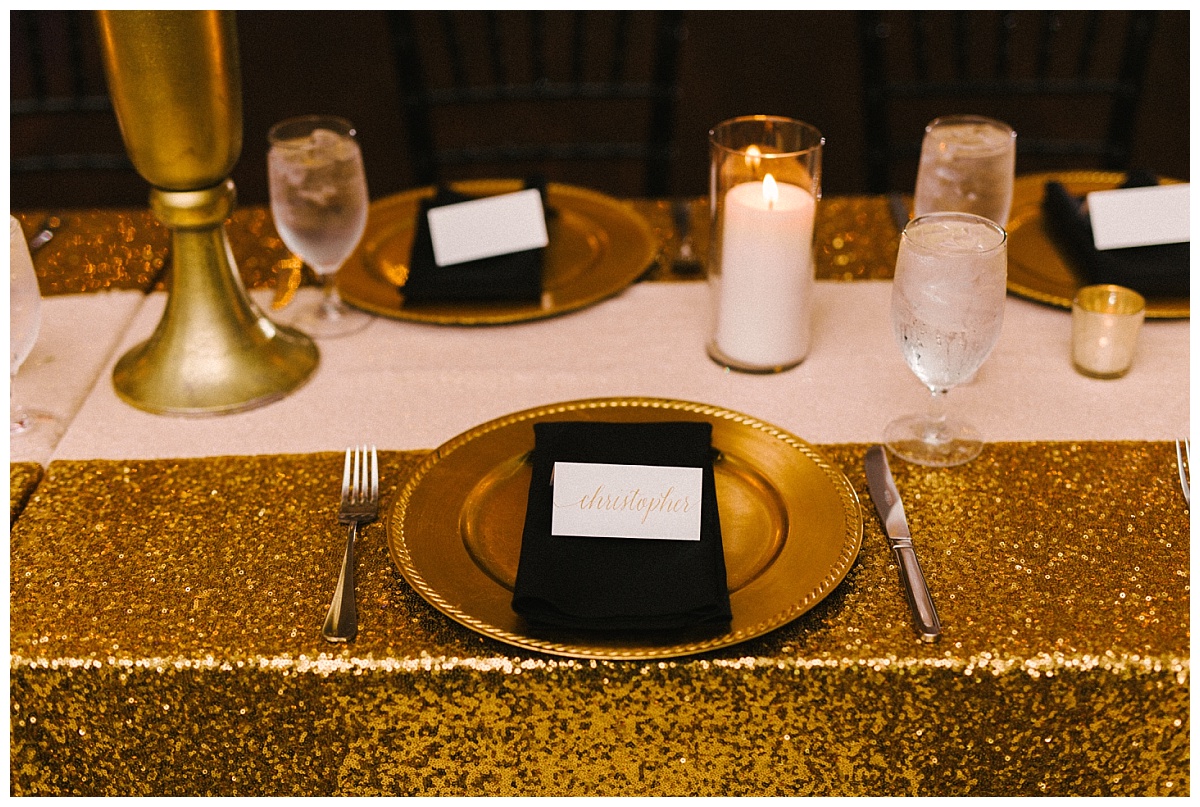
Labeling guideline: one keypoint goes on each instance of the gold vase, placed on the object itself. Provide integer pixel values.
(175, 84)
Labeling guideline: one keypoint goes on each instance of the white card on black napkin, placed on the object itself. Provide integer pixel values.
(1139, 217)
(487, 227)
(604, 500)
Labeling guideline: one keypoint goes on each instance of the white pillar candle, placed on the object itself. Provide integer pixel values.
(764, 295)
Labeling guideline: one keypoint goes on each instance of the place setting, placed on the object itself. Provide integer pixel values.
(550, 249)
(771, 529)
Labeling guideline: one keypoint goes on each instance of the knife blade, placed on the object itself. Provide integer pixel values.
(891, 512)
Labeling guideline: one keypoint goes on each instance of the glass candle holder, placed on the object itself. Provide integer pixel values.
(1105, 321)
(764, 184)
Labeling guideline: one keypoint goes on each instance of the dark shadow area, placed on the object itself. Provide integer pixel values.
(802, 64)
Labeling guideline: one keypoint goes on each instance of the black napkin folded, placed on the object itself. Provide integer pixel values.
(1160, 270)
(621, 584)
(515, 277)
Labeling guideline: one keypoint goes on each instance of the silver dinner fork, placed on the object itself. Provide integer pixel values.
(1185, 467)
(360, 505)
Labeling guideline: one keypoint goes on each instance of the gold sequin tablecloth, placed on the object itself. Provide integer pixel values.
(165, 641)
(23, 477)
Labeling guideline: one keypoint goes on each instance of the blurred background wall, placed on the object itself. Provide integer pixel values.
(805, 64)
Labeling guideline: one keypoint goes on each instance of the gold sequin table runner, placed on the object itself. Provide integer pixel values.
(97, 249)
(165, 641)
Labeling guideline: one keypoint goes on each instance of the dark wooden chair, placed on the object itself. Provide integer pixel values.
(64, 139)
(504, 93)
(1069, 82)
(51, 75)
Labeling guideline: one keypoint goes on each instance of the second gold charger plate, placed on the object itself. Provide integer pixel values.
(598, 246)
(1036, 268)
(791, 527)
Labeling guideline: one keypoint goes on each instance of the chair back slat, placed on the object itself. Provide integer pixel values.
(1088, 47)
(1005, 28)
(620, 48)
(962, 45)
(538, 70)
(1047, 31)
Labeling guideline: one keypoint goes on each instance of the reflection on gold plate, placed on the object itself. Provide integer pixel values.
(790, 523)
(598, 246)
(1036, 268)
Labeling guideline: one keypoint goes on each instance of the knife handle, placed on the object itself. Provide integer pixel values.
(913, 580)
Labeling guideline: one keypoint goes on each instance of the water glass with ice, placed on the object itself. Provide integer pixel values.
(947, 309)
(319, 202)
(967, 165)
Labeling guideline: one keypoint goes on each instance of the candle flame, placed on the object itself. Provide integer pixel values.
(770, 191)
(753, 156)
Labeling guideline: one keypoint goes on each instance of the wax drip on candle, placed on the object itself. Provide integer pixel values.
(770, 191)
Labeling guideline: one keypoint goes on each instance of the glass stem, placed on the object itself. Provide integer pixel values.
(331, 301)
(936, 430)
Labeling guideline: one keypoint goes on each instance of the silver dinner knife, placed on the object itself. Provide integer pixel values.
(891, 513)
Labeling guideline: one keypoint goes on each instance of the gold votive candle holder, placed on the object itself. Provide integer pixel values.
(1105, 322)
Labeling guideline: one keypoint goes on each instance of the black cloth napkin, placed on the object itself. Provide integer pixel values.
(515, 277)
(621, 584)
(1160, 270)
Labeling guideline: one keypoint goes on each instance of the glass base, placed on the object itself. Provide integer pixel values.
(327, 319)
(923, 440)
(720, 358)
(32, 434)
(26, 421)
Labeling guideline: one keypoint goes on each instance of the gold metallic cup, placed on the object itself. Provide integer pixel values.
(1105, 321)
(175, 84)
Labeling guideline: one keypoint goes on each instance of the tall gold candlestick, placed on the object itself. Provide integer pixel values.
(175, 84)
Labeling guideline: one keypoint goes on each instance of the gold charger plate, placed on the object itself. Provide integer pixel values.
(790, 522)
(598, 246)
(1036, 268)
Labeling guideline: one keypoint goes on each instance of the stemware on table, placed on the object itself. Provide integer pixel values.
(967, 165)
(319, 202)
(24, 321)
(947, 309)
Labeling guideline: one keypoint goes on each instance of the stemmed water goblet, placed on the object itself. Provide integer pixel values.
(967, 164)
(319, 203)
(947, 309)
(24, 322)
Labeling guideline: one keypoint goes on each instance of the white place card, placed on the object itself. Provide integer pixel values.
(1140, 217)
(487, 227)
(626, 501)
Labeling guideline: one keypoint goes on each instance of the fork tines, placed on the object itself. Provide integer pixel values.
(360, 484)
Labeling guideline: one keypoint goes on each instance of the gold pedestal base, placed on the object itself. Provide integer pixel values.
(213, 351)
